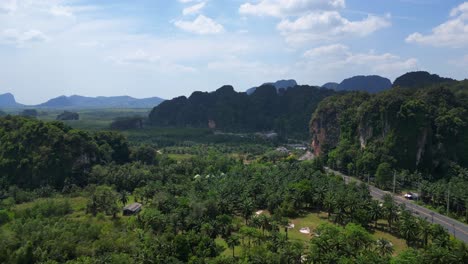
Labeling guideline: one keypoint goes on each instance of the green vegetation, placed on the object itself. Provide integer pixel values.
(94, 119)
(237, 197)
(287, 111)
(29, 113)
(67, 115)
(422, 134)
(35, 154)
(126, 123)
(202, 209)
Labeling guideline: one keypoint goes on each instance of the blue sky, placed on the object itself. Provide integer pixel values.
(168, 48)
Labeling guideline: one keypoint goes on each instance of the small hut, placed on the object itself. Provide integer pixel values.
(132, 209)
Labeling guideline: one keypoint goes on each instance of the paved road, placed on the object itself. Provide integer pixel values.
(456, 228)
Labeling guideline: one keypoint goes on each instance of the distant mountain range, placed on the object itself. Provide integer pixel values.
(371, 84)
(79, 102)
(8, 101)
(331, 85)
(281, 84)
(76, 101)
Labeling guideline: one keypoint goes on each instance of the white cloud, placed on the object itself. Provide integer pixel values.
(461, 9)
(338, 57)
(329, 50)
(7, 6)
(138, 56)
(19, 38)
(61, 11)
(452, 33)
(150, 61)
(194, 9)
(188, 1)
(201, 25)
(328, 25)
(283, 8)
(236, 66)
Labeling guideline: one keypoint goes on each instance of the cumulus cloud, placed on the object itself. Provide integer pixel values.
(340, 57)
(201, 25)
(304, 21)
(17, 37)
(328, 25)
(194, 9)
(452, 33)
(283, 8)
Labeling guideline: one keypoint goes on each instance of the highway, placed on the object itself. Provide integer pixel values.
(455, 228)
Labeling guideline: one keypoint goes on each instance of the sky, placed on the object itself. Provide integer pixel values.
(168, 48)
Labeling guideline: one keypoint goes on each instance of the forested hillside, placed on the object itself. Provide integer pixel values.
(370, 84)
(421, 133)
(35, 154)
(287, 111)
(420, 79)
(423, 129)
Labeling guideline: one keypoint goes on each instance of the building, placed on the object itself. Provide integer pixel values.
(132, 209)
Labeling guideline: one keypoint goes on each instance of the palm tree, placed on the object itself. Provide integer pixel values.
(255, 221)
(384, 247)
(329, 203)
(319, 196)
(285, 223)
(409, 228)
(247, 209)
(232, 242)
(264, 222)
(224, 224)
(425, 231)
(390, 209)
(124, 197)
(375, 211)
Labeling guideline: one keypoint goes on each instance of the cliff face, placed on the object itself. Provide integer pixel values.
(418, 129)
(327, 122)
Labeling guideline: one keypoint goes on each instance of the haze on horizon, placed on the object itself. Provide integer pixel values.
(146, 48)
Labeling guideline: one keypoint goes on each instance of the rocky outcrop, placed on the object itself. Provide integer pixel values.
(281, 84)
(325, 132)
(8, 101)
(420, 79)
(370, 84)
(422, 129)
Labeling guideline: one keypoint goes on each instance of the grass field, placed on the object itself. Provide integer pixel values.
(312, 221)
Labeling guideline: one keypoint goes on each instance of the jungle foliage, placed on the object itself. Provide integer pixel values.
(419, 133)
(285, 111)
